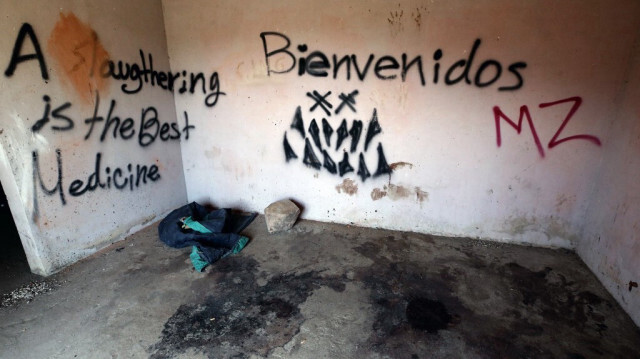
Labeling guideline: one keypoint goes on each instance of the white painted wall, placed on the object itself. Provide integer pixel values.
(611, 241)
(471, 186)
(446, 132)
(58, 234)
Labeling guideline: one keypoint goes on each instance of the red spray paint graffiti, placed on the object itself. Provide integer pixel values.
(524, 113)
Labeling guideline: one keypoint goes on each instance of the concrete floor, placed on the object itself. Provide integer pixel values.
(323, 291)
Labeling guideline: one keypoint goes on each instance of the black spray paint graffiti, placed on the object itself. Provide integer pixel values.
(387, 67)
(322, 101)
(140, 74)
(121, 178)
(180, 81)
(148, 130)
(17, 57)
(150, 127)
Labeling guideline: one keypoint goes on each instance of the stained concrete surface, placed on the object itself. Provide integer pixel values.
(323, 291)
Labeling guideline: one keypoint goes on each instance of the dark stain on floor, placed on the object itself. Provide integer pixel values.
(411, 304)
(421, 304)
(241, 317)
(558, 300)
(428, 315)
(464, 304)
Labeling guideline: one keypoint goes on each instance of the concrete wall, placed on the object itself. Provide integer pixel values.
(59, 174)
(611, 241)
(450, 176)
(461, 163)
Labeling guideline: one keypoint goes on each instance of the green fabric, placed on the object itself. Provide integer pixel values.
(240, 245)
(195, 225)
(198, 263)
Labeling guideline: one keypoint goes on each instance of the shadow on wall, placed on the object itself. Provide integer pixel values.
(14, 268)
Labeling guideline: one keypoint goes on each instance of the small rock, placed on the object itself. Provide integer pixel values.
(281, 215)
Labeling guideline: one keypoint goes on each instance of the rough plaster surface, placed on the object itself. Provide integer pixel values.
(610, 245)
(324, 290)
(74, 38)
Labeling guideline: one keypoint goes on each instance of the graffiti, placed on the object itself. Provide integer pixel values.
(577, 101)
(342, 133)
(56, 115)
(344, 165)
(383, 167)
(149, 130)
(355, 132)
(110, 177)
(348, 100)
(327, 130)
(17, 57)
(181, 81)
(297, 123)
(363, 171)
(524, 113)
(288, 151)
(314, 131)
(150, 127)
(88, 67)
(37, 178)
(311, 159)
(320, 100)
(77, 47)
(387, 67)
(373, 129)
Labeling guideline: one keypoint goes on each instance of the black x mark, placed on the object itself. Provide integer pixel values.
(321, 100)
(348, 100)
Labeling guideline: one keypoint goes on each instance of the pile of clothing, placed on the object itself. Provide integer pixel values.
(212, 234)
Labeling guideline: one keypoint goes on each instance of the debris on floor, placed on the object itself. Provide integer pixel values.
(212, 234)
(26, 293)
(281, 216)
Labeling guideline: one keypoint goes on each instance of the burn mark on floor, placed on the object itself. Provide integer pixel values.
(428, 315)
(557, 299)
(425, 298)
(411, 305)
(421, 305)
(241, 318)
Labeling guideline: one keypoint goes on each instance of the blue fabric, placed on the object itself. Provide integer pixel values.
(223, 224)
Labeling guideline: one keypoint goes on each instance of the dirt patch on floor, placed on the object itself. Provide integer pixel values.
(27, 293)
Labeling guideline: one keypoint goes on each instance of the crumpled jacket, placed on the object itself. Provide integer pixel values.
(224, 225)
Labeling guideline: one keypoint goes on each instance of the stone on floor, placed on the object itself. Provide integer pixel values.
(281, 215)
